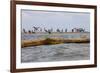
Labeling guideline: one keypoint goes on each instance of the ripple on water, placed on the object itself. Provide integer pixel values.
(59, 52)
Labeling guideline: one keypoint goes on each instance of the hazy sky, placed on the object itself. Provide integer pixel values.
(51, 19)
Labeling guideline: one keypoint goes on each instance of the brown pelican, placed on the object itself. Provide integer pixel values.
(24, 30)
(58, 30)
(48, 31)
(66, 30)
(36, 28)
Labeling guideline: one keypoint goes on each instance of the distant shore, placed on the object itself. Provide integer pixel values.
(56, 33)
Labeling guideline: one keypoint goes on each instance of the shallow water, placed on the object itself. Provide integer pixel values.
(62, 35)
(58, 52)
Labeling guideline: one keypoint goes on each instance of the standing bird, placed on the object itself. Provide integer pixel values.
(24, 31)
(66, 30)
(36, 28)
(48, 31)
(57, 30)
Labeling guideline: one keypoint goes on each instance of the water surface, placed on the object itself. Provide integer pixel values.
(58, 52)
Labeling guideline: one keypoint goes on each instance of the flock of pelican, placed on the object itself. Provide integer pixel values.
(39, 29)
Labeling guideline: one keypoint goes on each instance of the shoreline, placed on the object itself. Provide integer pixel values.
(52, 41)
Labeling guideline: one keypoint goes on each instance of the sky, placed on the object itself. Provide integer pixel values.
(55, 19)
